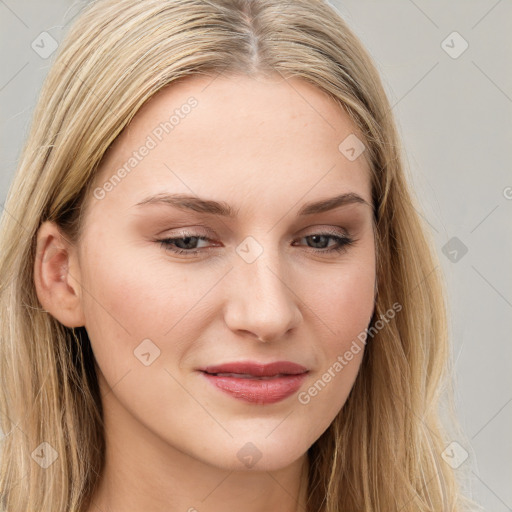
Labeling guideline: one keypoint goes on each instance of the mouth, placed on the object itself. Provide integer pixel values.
(249, 376)
(256, 382)
(250, 369)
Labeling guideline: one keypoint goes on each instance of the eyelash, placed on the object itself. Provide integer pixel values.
(343, 242)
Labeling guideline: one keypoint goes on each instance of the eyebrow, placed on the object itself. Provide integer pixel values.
(197, 204)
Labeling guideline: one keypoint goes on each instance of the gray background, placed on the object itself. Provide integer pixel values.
(454, 115)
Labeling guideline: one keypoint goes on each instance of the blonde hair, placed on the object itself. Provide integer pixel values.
(383, 450)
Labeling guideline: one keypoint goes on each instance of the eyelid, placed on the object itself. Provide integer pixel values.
(328, 230)
(199, 231)
(202, 231)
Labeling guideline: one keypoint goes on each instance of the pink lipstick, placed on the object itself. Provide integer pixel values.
(257, 382)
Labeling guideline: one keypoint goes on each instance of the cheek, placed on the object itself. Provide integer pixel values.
(341, 309)
(128, 299)
(343, 300)
(141, 294)
(342, 294)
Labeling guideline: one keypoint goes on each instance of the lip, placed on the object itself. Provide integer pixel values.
(258, 383)
(257, 369)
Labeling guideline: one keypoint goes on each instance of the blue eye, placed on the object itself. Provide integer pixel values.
(341, 242)
(172, 244)
(186, 244)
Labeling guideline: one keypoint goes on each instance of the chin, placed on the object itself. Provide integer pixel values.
(257, 455)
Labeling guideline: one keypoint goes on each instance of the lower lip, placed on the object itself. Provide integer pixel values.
(259, 391)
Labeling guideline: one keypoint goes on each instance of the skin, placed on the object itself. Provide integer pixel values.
(266, 147)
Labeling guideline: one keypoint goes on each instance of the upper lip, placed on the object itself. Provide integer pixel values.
(257, 369)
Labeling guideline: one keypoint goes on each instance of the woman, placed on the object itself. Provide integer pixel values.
(217, 293)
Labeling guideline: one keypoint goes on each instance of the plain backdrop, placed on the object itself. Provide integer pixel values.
(447, 70)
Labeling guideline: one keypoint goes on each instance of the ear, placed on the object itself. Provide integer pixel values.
(57, 276)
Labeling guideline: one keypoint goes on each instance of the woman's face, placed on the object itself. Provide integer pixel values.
(261, 285)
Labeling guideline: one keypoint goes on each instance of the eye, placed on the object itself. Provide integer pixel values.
(341, 243)
(187, 243)
(183, 245)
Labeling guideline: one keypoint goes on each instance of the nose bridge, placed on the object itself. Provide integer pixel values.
(261, 301)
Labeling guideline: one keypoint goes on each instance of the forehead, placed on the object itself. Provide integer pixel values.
(241, 139)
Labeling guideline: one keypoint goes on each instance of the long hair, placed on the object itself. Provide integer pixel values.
(383, 451)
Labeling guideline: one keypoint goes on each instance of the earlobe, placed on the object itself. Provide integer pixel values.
(56, 276)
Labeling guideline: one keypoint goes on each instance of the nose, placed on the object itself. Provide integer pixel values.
(261, 299)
